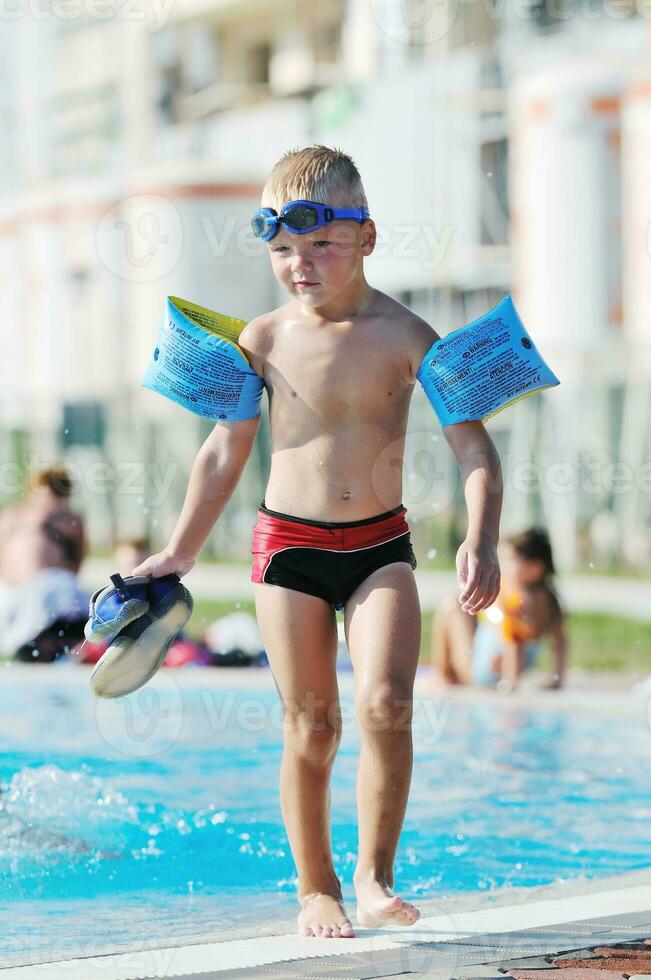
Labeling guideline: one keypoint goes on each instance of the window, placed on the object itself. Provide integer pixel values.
(258, 58)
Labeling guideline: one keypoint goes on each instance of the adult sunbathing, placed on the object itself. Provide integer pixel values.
(42, 545)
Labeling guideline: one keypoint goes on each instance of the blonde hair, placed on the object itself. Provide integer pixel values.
(316, 173)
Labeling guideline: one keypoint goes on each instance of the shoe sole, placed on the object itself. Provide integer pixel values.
(132, 661)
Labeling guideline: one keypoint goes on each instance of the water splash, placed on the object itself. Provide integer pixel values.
(73, 832)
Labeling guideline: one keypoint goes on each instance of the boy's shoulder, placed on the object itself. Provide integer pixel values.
(416, 335)
(256, 340)
(256, 330)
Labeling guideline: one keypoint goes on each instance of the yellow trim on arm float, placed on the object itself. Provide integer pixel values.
(198, 364)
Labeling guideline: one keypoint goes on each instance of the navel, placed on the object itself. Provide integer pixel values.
(345, 495)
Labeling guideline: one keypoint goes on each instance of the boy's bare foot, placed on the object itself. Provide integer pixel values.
(325, 916)
(378, 906)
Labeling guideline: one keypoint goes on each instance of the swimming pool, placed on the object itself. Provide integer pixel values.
(157, 816)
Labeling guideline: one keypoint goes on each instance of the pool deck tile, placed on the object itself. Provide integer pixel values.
(480, 972)
(428, 960)
(625, 964)
(574, 974)
(527, 963)
(641, 950)
(577, 954)
(448, 944)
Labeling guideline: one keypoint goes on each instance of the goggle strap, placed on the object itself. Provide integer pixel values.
(358, 214)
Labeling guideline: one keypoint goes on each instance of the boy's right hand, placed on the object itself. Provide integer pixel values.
(164, 563)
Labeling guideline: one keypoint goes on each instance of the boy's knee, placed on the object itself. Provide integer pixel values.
(387, 706)
(313, 735)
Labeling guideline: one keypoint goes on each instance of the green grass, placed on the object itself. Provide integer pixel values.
(599, 642)
(596, 642)
(207, 611)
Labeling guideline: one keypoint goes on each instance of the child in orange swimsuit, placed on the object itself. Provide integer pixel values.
(498, 645)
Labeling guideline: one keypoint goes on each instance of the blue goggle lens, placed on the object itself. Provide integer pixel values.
(300, 217)
(262, 225)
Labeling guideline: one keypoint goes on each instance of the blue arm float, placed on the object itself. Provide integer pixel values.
(476, 371)
(198, 364)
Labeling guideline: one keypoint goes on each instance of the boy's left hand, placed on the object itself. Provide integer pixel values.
(478, 574)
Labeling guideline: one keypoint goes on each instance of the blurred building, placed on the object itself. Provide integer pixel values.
(503, 147)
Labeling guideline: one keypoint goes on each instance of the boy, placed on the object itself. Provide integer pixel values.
(339, 361)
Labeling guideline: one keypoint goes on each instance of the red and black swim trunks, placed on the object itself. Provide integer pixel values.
(327, 559)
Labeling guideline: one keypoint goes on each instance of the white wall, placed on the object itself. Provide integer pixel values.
(636, 149)
(566, 201)
(419, 160)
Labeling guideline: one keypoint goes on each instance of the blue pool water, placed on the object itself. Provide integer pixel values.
(157, 816)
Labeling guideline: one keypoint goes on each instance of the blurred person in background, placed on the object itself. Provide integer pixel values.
(130, 552)
(500, 643)
(42, 545)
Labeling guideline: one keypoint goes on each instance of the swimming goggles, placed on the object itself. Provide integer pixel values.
(301, 217)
